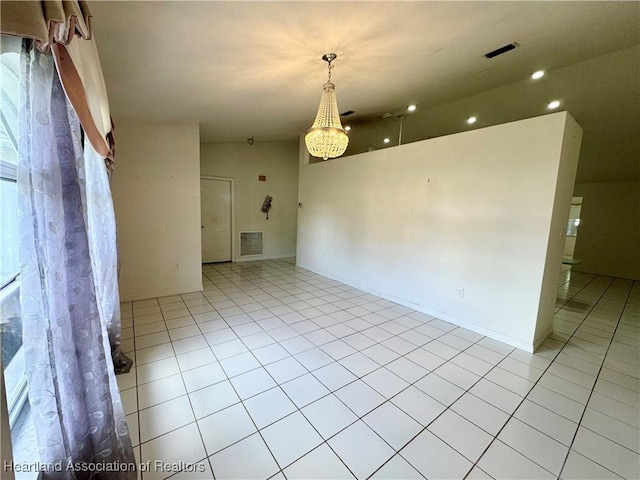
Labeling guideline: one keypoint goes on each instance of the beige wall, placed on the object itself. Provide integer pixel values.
(278, 161)
(608, 241)
(156, 195)
(482, 211)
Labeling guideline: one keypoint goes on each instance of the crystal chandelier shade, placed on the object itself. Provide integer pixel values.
(326, 138)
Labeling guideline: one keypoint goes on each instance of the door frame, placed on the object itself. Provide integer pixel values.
(233, 211)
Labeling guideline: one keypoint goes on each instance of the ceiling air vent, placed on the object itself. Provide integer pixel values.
(501, 50)
(347, 113)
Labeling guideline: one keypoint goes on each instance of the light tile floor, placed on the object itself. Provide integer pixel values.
(277, 372)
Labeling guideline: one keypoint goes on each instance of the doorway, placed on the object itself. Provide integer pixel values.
(216, 219)
(572, 227)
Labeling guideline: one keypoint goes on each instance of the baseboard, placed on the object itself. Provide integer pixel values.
(163, 293)
(542, 337)
(257, 258)
(514, 342)
(575, 268)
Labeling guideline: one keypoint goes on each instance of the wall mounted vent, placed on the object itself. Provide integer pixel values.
(251, 243)
(501, 50)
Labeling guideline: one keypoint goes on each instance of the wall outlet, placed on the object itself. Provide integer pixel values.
(176, 266)
(460, 292)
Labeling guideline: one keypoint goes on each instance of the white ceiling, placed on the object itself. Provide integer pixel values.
(254, 68)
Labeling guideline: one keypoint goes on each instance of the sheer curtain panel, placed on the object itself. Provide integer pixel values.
(64, 29)
(80, 423)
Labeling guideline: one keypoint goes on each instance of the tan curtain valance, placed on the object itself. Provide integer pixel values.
(54, 24)
(47, 21)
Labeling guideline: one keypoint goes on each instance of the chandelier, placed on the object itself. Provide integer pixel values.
(326, 138)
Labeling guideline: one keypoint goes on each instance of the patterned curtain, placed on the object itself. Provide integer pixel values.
(76, 407)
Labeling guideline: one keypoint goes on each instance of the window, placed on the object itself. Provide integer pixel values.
(574, 220)
(10, 318)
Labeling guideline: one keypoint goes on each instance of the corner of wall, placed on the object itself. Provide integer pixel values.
(156, 195)
(566, 174)
(244, 164)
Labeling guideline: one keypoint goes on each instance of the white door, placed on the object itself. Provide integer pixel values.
(215, 196)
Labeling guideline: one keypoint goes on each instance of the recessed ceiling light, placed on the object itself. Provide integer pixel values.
(411, 108)
(348, 128)
(386, 140)
(537, 75)
(471, 120)
(553, 105)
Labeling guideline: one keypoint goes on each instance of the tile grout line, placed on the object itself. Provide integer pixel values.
(195, 419)
(594, 386)
(320, 293)
(361, 417)
(154, 405)
(135, 366)
(525, 397)
(298, 409)
(258, 430)
(380, 366)
(447, 408)
(236, 392)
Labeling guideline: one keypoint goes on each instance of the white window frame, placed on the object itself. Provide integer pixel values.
(16, 399)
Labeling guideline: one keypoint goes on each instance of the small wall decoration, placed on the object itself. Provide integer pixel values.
(266, 205)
